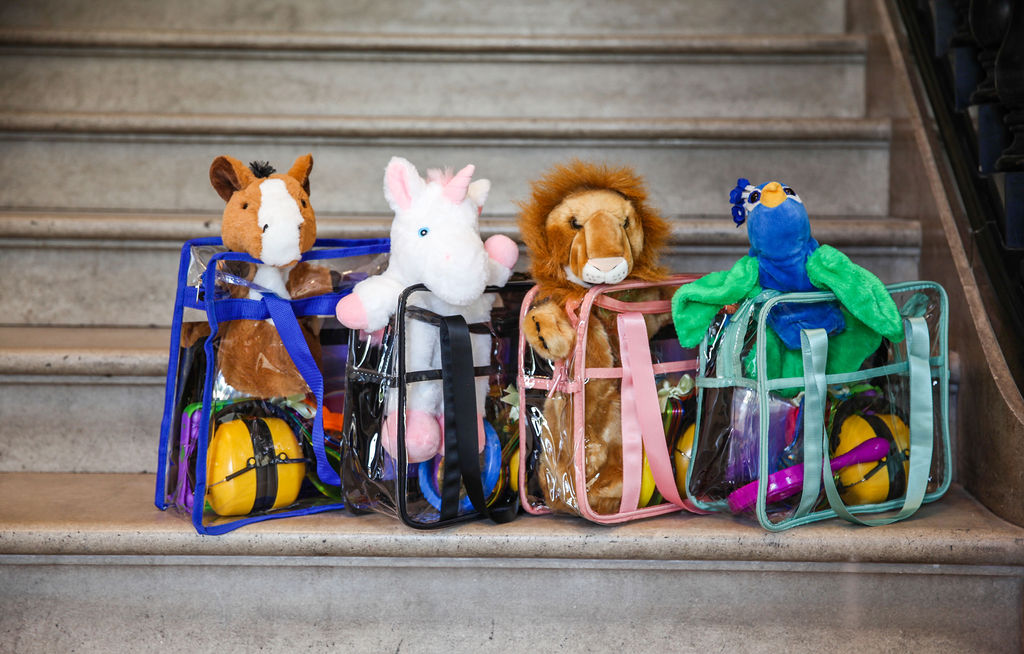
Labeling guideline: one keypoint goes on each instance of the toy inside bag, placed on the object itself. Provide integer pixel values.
(839, 361)
(428, 437)
(253, 414)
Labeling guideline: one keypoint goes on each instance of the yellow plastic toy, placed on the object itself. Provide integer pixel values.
(681, 457)
(513, 471)
(254, 464)
(870, 483)
(646, 484)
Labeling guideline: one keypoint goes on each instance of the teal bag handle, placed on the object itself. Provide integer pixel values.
(921, 424)
(814, 347)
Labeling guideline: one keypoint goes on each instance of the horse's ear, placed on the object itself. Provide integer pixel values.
(402, 183)
(228, 175)
(478, 191)
(301, 169)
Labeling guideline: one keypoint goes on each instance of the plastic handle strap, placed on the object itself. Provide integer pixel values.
(814, 347)
(921, 431)
(295, 343)
(642, 426)
(461, 458)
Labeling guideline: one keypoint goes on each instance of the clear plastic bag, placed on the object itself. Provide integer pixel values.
(398, 419)
(604, 432)
(237, 440)
(878, 433)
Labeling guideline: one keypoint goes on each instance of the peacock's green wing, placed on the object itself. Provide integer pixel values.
(696, 304)
(848, 349)
(860, 292)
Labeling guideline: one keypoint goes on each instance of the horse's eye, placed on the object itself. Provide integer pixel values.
(754, 197)
(303, 204)
(245, 205)
(266, 227)
(575, 224)
(424, 231)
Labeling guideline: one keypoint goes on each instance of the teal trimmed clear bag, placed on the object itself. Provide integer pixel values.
(847, 444)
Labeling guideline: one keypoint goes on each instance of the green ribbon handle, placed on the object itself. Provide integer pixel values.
(921, 431)
(814, 347)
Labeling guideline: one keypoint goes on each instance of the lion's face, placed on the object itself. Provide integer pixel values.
(590, 224)
(598, 233)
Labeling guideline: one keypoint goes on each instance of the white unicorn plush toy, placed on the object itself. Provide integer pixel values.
(435, 240)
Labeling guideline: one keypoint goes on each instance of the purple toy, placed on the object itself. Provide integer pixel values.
(788, 481)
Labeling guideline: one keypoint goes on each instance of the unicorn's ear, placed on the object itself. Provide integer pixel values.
(402, 183)
(478, 191)
(300, 171)
(228, 175)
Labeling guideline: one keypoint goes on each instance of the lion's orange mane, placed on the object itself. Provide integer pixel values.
(549, 256)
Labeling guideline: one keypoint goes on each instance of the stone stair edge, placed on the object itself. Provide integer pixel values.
(175, 229)
(853, 131)
(451, 43)
(84, 351)
(105, 514)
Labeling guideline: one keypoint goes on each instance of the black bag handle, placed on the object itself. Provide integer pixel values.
(462, 465)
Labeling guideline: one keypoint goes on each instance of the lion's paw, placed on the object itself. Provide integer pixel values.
(548, 331)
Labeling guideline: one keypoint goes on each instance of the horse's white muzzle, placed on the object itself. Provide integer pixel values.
(605, 270)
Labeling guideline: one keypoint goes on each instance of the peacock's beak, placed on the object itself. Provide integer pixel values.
(772, 195)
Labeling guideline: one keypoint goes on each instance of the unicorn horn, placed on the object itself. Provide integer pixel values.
(456, 189)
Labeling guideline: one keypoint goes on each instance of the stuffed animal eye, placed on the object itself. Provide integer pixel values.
(575, 224)
(754, 197)
(245, 205)
(424, 231)
(625, 223)
(303, 204)
(266, 227)
(788, 191)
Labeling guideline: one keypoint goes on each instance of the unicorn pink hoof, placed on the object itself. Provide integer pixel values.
(503, 250)
(422, 435)
(351, 312)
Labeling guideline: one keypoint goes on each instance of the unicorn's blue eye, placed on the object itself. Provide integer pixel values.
(424, 231)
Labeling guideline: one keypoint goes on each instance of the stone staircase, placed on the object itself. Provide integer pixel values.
(110, 115)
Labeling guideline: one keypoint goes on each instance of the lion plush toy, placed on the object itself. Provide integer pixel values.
(268, 216)
(587, 224)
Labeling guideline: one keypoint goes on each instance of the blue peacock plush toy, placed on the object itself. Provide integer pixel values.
(783, 256)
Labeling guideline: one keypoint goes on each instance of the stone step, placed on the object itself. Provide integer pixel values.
(561, 76)
(80, 268)
(81, 400)
(86, 561)
(526, 17)
(97, 161)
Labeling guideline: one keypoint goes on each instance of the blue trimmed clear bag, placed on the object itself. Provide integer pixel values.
(228, 458)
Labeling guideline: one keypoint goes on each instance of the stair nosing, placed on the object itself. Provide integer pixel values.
(453, 43)
(92, 351)
(71, 226)
(853, 131)
(113, 514)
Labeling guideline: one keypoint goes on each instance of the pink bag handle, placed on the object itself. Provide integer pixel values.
(619, 306)
(642, 426)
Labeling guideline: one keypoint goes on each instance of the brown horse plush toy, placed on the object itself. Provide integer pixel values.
(268, 216)
(587, 224)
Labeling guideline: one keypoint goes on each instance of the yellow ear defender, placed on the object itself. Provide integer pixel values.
(253, 464)
(870, 483)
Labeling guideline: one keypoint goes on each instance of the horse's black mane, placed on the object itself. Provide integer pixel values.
(261, 169)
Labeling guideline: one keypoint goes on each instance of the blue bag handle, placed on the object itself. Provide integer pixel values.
(295, 343)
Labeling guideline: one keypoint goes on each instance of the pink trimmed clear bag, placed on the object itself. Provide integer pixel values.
(609, 444)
